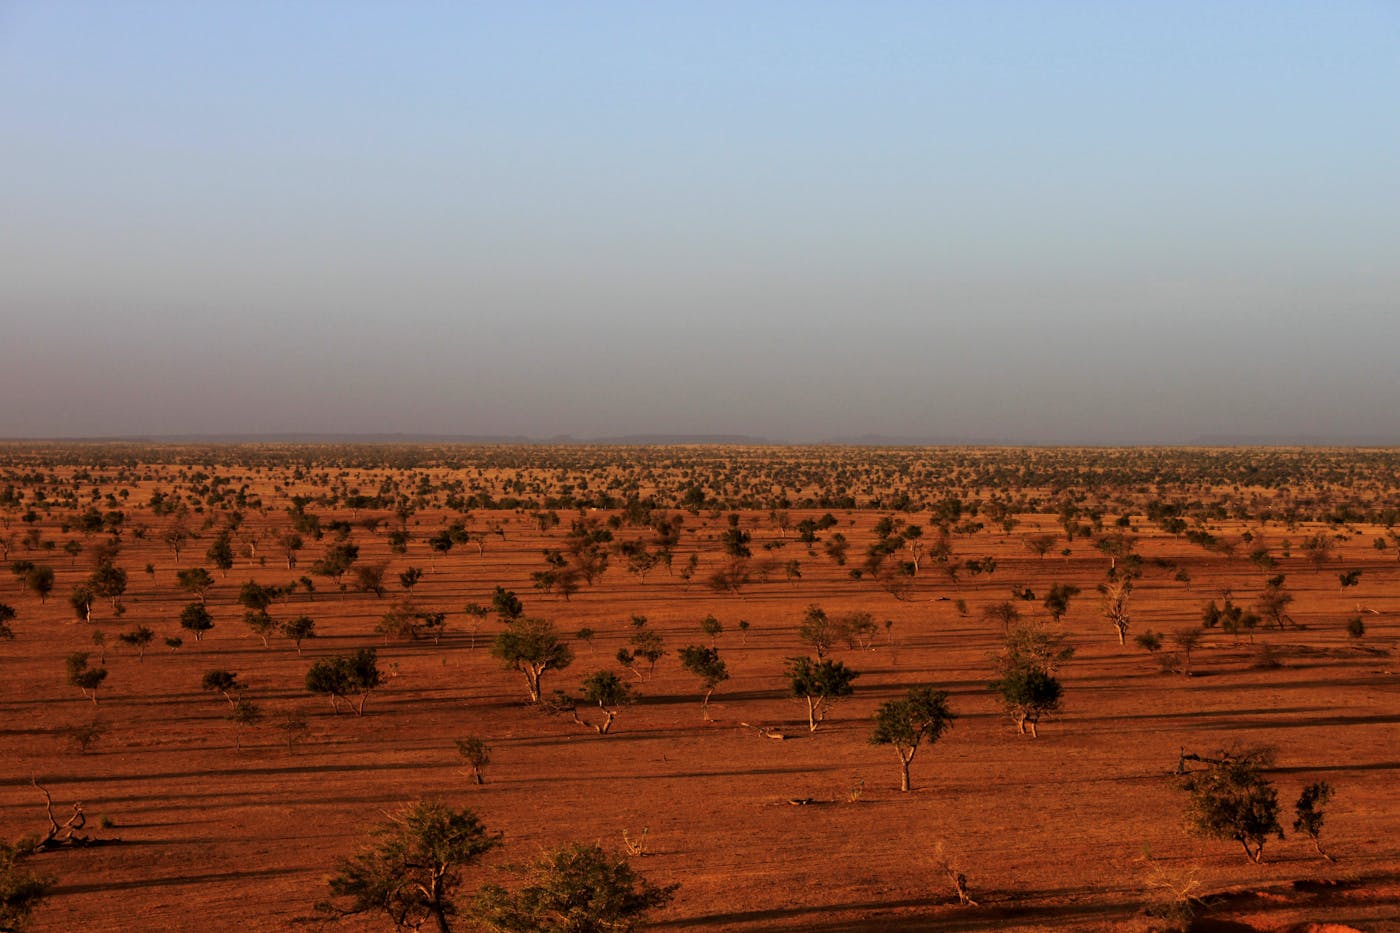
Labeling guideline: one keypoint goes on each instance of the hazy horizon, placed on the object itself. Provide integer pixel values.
(1044, 223)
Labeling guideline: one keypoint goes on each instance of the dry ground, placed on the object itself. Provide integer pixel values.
(1061, 832)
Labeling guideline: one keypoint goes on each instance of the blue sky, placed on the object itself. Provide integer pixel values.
(1043, 222)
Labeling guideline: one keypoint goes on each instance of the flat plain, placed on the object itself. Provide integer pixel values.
(1079, 828)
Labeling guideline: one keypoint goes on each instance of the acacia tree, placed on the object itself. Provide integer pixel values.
(339, 676)
(21, 890)
(298, 630)
(40, 579)
(1026, 667)
(573, 889)
(706, 664)
(1028, 692)
(222, 682)
(1231, 799)
(197, 581)
(220, 553)
(244, 713)
(1309, 813)
(413, 866)
(1057, 600)
(7, 615)
(647, 645)
(609, 693)
(477, 755)
(532, 646)
(81, 600)
(195, 617)
(87, 679)
(1274, 601)
(920, 715)
(821, 684)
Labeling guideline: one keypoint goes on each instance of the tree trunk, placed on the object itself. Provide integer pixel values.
(904, 770)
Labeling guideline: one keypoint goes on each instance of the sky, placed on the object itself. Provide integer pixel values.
(1070, 222)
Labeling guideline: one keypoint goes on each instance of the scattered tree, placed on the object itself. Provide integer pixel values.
(573, 889)
(195, 617)
(532, 646)
(87, 679)
(706, 664)
(298, 630)
(413, 866)
(1231, 799)
(338, 677)
(244, 713)
(609, 693)
(21, 889)
(920, 715)
(821, 684)
(1310, 815)
(477, 755)
(139, 638)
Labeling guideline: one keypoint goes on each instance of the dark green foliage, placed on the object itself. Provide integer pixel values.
(1027, 684)
(818, 630)
(1149, 641)
(260, 624)
(139, 638)
(1309, 813)
(21, 890)
(477, 754)
(921, 715)
(577, 888)
(337, 561)
(339, 676)
(244, 713)
(532, 646)
(222, 682)
(647, 645)
(40, 579)
(7, 615)
(108, 581)
(506, 604)
(711, 627)
(299, 629)
(1057, 600)
(706, 664)
(1028, 692)
(87, 679)
(220, 553)
(821, 683)
(196, 581)
(255, 597)
(1231, 799)
(609, 693)
(412, 868)
(195, 617)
